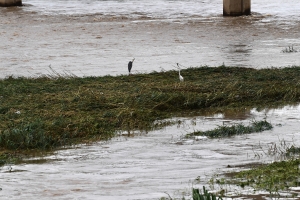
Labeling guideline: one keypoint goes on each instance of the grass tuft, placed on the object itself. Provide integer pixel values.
(197, 195)
(291, 151)
(289, 49)
(227, 131)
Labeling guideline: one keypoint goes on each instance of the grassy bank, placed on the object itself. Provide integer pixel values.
(45, 113)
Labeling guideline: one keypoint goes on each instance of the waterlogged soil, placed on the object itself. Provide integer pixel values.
(150, 165)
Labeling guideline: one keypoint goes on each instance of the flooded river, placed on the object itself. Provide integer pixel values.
(148, 165)
(97, 37)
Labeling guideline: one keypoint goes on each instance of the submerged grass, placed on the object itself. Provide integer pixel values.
(291, 151)
(277, 178)
(48, 112)
(274, 178)
(289, 49)
(197, 195)
(227, 131)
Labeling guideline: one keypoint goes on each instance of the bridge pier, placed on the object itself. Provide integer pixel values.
(7, 3)
(236, 7)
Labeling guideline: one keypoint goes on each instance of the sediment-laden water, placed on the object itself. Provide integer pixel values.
(96, 38)
(148, 165)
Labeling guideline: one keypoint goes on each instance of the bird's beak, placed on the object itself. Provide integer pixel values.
(133, 59)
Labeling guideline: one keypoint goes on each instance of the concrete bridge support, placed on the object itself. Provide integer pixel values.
(6, 3)
(236, 7)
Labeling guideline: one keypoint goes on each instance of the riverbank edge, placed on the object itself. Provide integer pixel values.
(66, 110)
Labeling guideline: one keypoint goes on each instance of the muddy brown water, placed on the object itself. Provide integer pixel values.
(77, 38)
(149, 165)
(96, 38)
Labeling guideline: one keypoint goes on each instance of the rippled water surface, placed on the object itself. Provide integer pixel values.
(96, 38)
(149, 164)
(159, 8)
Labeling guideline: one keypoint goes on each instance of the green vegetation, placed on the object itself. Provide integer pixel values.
(205, 196)
(289, 49)
(49, 112)
(291, 151)
(197, 195)
(6, 157)
(274, 177)
(227, 131)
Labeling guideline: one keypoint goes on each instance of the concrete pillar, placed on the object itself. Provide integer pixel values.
(6, 3)
(236, 7)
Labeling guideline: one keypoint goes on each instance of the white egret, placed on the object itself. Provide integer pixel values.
(180, 77)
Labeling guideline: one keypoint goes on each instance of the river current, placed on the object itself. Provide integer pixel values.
(97, 38)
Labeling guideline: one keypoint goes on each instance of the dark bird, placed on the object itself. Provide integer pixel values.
(130, 65)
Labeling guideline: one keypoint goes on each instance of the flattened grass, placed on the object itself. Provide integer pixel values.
(45, 113)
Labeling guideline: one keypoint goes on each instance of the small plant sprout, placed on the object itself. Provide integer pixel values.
(289, 49)
(205, 195)
(9, 168)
